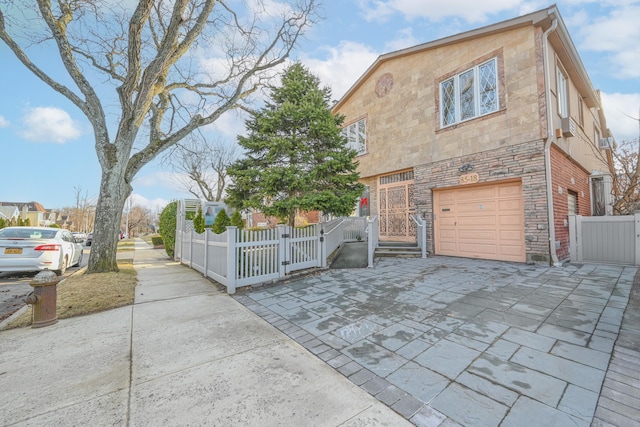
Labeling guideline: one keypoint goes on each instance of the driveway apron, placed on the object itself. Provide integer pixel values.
(451, 340)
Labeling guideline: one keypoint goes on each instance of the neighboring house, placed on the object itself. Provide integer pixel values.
(9, 213)
(493, 136)
(34, 211)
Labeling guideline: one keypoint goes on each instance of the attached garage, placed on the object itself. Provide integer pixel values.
(485, 221)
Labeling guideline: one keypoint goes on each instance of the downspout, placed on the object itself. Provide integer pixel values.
(547, 145)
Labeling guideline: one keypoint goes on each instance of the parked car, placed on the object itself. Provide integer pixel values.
(79, 236)
(38, 248)
(89, 239)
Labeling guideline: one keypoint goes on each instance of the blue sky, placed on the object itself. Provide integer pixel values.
(47, 148)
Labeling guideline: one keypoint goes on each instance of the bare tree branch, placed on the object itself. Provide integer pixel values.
(155, 60)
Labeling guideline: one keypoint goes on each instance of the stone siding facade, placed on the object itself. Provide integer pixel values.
(524, 162)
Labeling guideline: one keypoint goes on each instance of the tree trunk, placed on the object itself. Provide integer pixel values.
(106, 234)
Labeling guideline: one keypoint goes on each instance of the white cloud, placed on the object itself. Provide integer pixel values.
(155, 205)
(170, 180)
(404, 40)
(616, 34)
(4, 122)
(436, 10)
(49, 124)
(229, 125)
(621, 111)
(343, 66)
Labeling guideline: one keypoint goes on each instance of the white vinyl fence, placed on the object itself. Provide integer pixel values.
(373, 227)
(605, 239)
(238, 257)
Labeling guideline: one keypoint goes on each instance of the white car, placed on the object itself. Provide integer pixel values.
(79, 236)
(38, 248)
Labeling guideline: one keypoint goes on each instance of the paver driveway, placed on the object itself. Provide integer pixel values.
(452, 340)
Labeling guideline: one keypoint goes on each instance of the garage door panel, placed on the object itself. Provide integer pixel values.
(484, 222)
(448, 198)
(449, 247)
(447, 233)
(476, 221)
(486, 235)
(510, 205)
(480, 249)
(510, 236)
(510, 250)
(447, 221)
(507, 220)
(476, 207)
(477, 193)
(514, 190)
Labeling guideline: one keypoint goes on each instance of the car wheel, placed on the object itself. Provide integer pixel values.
(63, 266)
(77, 264)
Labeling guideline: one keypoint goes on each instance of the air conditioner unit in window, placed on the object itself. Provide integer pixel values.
(568, 126)
(605, 143)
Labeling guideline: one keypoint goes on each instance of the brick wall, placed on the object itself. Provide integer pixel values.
(567, 176)
(524, 161)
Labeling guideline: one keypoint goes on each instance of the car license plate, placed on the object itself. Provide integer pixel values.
(12, 251)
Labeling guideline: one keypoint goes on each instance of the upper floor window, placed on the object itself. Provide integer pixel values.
(472, 93)
(356, 134)
(580, 111)
(563, 98)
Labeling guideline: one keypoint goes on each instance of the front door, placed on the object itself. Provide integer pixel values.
(395, 206)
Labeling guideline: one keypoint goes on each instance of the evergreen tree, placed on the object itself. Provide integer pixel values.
(236, 220)
(296, 157)
(221, 222)
(198, 222)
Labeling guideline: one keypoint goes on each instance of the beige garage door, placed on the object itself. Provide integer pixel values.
(480, 222)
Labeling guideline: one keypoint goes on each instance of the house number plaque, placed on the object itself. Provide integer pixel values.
(470, 178)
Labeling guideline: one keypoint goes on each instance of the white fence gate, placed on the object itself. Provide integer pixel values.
(605, 239)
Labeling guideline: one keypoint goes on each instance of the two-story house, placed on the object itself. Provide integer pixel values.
(493, 136)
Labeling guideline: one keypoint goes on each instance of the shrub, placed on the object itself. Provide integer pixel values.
(221, 222)
(236, 220)
(167, 225)
(157, 242)
(198, 222)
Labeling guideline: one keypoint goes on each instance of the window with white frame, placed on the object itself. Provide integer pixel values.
(563, 98)
(470, 94)
(356, 134)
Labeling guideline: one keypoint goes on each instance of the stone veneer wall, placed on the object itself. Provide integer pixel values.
(524, 161)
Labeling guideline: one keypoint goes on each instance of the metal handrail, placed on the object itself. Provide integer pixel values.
(422, 236)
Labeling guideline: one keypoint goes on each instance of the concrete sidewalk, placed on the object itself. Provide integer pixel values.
(184, 354)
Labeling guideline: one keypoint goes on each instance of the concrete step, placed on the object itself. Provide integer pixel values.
(398, 251)
(397, 244)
